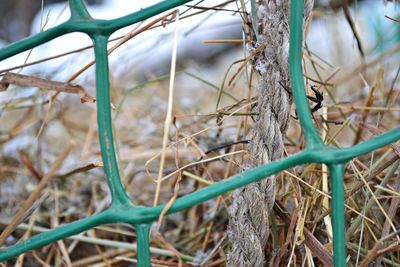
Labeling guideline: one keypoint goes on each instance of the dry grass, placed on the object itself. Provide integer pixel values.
(203, 146)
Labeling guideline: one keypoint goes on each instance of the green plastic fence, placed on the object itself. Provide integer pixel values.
(123, 210)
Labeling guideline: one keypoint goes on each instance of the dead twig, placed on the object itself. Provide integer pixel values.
(25, 80)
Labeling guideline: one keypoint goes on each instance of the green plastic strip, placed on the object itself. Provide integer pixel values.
(118, 193)
(338, 215)
(122, 209)
(313, 140)
(143, 237)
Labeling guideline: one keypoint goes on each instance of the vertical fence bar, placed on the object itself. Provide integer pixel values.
(143, 245)
(118, 193)
(338, 214)
(313, 140)
(78, 9)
